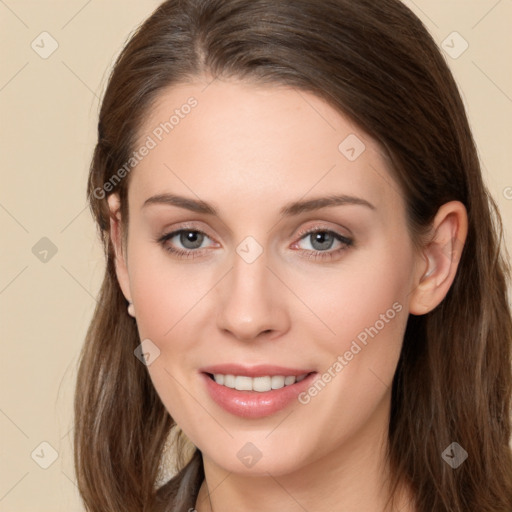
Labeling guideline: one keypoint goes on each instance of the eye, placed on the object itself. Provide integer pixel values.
(191, 241)
(320, 241)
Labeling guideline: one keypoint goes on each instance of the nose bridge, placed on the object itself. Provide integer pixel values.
(250, 302)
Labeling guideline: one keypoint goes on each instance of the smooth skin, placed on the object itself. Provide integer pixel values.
(248, 150)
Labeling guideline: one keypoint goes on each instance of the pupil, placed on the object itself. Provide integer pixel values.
(191, 239)
(323, 239)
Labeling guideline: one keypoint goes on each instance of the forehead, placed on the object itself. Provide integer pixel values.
(232, 140)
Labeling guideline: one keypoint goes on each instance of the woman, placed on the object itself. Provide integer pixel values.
(304, 275)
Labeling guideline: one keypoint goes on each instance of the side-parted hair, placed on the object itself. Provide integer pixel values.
(374, 62)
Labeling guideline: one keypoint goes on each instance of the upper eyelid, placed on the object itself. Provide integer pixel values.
(319, 226)
(314, 229)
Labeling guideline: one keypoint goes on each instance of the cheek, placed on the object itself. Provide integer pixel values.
(364, 306)
(165, 291)
(362, 294)
(366, 312)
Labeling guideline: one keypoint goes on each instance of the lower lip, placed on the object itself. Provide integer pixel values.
(253, 404)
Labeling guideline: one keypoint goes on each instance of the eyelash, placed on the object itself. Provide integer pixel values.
(313, 254)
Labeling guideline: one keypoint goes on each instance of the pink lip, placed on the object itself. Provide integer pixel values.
(253, 404)
(260, 370)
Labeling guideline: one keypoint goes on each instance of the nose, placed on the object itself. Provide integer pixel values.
(252, 302)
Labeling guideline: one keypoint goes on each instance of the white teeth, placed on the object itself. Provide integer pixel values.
(229, 381)
(260, 384)
(278, 381)
(289, 380)
(243, 383)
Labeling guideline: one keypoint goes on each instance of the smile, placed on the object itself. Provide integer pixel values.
(259, 384)
(257, 396)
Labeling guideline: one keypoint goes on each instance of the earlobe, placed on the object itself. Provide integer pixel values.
(117, 244)
(440, 258)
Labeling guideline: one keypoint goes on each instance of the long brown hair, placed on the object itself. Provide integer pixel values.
(375, 62)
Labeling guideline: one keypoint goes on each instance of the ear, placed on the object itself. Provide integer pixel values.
(440, 258)
(117, 243)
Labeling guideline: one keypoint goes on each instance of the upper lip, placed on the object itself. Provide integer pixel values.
(260, 370)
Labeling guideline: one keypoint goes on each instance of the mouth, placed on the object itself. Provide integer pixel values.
(261, 384)
(255, 392)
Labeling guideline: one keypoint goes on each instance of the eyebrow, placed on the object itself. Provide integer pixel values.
(294, 208)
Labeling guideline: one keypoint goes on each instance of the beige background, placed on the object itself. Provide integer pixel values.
(48, 124)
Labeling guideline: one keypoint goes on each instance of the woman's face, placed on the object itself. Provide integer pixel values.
(294, 258)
